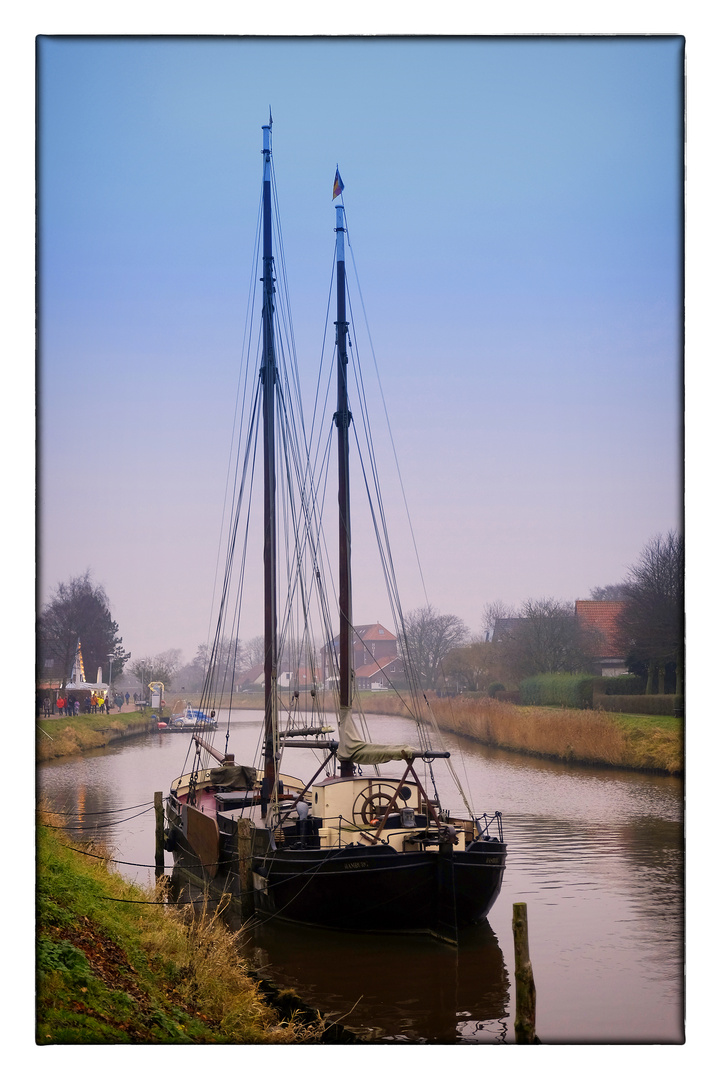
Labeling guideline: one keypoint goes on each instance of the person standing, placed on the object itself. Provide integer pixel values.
(127, 699)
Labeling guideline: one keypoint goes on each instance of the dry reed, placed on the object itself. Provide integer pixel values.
(569, 735)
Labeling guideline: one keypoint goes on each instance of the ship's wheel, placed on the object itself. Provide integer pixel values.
(371, 805)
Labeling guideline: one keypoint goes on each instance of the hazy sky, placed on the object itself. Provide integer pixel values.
(515, 209)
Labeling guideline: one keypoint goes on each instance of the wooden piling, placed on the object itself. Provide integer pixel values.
(159, 835)
(245, 877)
(524, 981)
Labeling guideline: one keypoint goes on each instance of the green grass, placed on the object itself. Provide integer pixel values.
(60, 736)
(640, 722)
(111, 969)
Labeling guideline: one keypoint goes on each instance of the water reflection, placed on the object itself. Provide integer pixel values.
(392, 989)
(596, 854)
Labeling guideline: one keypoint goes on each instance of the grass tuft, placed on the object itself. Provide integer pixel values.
(115, 972)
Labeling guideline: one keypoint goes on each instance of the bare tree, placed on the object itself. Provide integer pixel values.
(429, 637)
(609, 592)
(160, 668)
(255, 650)
(473, 666)
(546, 639)
(651, 624)
(493, 613)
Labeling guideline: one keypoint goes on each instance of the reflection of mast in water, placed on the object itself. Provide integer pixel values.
(80, 806)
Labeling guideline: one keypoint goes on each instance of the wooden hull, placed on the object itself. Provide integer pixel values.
(380, 890)
(357, 888)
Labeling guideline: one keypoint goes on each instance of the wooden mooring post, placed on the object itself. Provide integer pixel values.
(159, 835)
(244, 850)
(524, 982)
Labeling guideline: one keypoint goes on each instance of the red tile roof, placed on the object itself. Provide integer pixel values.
(602, 615)
(374, 632)
(375, 667)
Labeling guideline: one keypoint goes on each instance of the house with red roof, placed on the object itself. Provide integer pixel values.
(375, 658)
(600, 617)
(254, 678)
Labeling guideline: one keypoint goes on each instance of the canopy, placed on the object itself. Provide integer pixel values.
(352, 748)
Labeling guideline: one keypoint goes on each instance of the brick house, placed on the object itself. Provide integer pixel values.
(601, 616)
(375, 657)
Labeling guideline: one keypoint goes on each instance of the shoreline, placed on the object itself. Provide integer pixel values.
(649, 744)
(117, 964)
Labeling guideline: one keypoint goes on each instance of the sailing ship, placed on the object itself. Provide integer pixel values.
(364, 843)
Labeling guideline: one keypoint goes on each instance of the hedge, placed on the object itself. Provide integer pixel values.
(570, 691)
(648, 704)
(620, 684)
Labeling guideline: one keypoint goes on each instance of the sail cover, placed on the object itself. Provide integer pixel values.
(352, 748)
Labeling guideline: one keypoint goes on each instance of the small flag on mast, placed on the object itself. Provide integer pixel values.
(338, 185)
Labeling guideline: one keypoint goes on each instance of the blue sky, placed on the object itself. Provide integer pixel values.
(515, 213)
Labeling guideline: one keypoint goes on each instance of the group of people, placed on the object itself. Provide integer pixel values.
(70, 705)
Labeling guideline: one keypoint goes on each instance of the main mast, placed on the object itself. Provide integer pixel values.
(342, 420)
(268, 376)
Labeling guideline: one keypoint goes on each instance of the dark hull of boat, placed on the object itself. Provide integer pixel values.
(190, 728)
(379, 889)
(357, 888)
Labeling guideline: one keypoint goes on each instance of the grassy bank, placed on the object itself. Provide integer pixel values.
(623, 740)
(113, 968)
(648, 743)
(60, 736)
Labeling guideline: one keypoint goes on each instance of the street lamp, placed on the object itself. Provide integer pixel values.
(110, 658)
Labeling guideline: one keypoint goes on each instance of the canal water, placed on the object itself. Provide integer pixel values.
(597, 855)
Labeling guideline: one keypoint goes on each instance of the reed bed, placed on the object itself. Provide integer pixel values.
(570, 735)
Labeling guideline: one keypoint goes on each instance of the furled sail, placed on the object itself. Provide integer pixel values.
(352, 748)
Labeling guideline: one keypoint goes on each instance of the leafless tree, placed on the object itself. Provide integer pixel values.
(429, 637)
(495, 611)
(547, 639)
(609, 592)
(651, 624)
